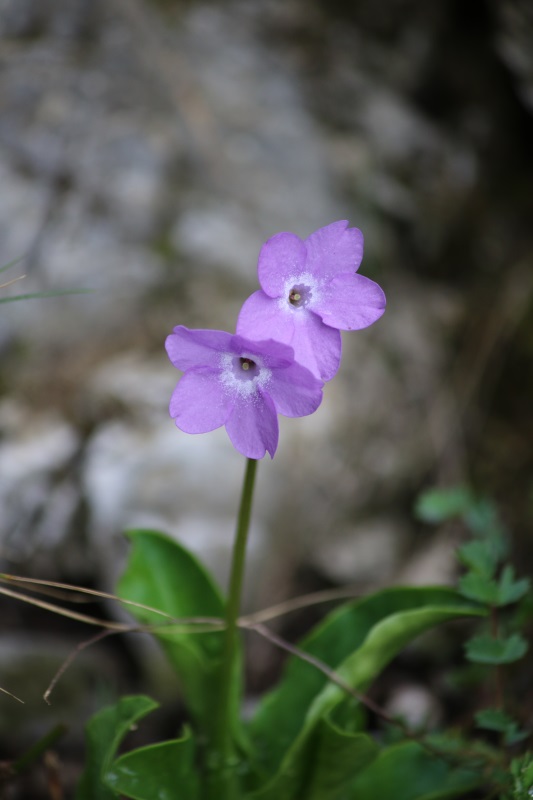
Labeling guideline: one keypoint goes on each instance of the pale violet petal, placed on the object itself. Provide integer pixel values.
(199, 402)
(192, 348)
(316, 346)
(263, 318)
(295, 391)
(269, 352)
(282, 256)
(351, 302)
(253, 426)
(333, 250)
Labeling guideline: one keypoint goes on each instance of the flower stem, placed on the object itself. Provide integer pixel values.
(223, 743)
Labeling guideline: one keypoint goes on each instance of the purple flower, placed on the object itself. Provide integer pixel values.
(309, 293)
(238, 383)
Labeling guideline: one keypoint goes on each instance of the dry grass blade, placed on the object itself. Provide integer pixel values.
(296, 603)
(70, 658)
(14, 696)
(12, 263)
(172, 624)
(72, 595)
(33, 601)
(79, 594)
(45, 587)
(13, 280)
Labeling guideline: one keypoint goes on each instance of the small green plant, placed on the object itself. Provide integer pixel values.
(308, 736)
(489, 580)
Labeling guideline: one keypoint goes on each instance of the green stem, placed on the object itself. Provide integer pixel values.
(223, 742)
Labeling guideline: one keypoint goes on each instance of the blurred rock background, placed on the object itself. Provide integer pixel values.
(147, 149)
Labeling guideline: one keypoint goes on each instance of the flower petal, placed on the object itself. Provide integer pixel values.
(295, 391)
(253, 426)
(199, 402)
(263, 318)
(280, 258)
(316, 346)
(192, 348)
(334, 249)
(272, 354)
(351, 302)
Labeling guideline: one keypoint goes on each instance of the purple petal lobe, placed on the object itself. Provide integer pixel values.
(263, 318)
(191, 348)
(199, 402)
(280, 258)
(333, 250)
(351, 302)
(316, 346)
(295, 391)
(253, 426)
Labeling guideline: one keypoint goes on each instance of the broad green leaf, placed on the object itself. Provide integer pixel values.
(103, 733)
(164, 771)
(439, 505)
(326, 765)
(406, 771)
(488, 650)
(382, 644)
(358, 639)
(164, 575)
(340, 755)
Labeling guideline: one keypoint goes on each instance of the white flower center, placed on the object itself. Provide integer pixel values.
(244, 374)
(300, 291)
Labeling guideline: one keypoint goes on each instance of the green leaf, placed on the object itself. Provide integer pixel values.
(340, 756)
(439, 505)
(488, 650)
(479, 556)
(382, 644)
(406, 771)
(164, 575)
(103, 733)
(157, 771)
(359, 639)
(281, 714)
(522, 772)
(494, 719)
(503, 592)
(510, 590)
(477, 587)
(328, 763)
(479, 514)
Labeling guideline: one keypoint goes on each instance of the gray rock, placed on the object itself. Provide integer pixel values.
(38, 500)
